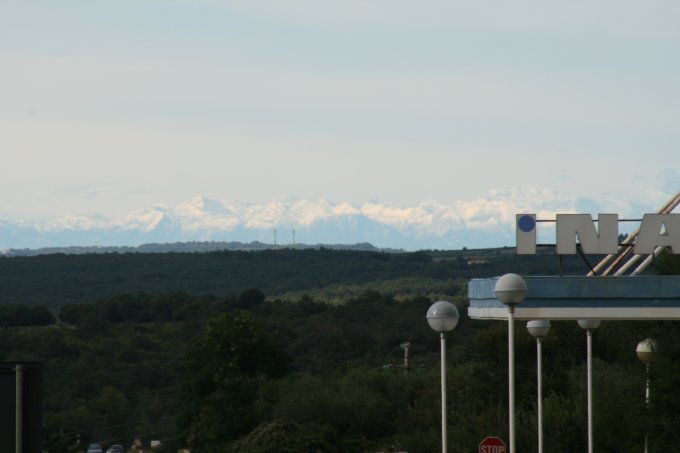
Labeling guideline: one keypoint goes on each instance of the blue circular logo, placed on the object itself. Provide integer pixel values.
(526, 223)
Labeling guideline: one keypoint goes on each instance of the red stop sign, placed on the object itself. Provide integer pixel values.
(492, 444)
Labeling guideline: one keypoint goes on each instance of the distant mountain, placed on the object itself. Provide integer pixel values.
(481, 223)
(189, 247)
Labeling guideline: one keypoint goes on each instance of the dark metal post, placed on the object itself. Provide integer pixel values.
(19, 408)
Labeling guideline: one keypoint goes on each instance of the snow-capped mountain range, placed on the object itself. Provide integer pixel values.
(487, 222)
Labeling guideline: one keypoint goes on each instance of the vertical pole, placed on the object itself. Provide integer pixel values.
(646, 443)
(511, 376)
(443, 361)
(19, 408)
(589, 339)
(539, 372)
(406, 359)
(647, 387)
(647, 404)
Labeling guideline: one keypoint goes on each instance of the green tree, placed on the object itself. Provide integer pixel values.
(225, 370)
(279, 436)
(668, 264)
(250, 298)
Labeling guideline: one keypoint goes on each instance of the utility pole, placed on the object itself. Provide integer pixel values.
(405, 346)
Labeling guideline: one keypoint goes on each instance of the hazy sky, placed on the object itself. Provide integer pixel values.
(110, 106)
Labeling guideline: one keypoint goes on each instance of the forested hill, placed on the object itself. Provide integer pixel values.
(55, 280)
(255, 372)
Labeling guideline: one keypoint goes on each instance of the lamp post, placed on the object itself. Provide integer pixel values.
(442, 316)
(539, 329)
(511, 289)
(646, 351)
(589, 325)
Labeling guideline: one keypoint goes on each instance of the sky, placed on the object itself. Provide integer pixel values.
(111, 106)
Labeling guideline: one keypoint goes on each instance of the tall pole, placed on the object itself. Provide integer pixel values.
(646, 351)
(538, 329)
(647, 404)
(406, 365)
(539, 372)
(443, 362)
(589, 340)
(511, 376)
(19, 428)
(647, 386)
(443, 317)
(589, 325)
(510, 290)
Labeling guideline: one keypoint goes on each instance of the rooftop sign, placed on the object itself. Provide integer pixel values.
(656, 230)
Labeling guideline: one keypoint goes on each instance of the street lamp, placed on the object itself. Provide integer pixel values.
(511, 289)
(589, 325)
(646, 351)
(539, 329)
(442, 316)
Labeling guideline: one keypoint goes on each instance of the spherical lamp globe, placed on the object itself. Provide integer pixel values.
(442, 316)
(646, 350)
(589, 324)
(511, 289)
(538, 328)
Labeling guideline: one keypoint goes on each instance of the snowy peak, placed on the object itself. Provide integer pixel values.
(486, 222)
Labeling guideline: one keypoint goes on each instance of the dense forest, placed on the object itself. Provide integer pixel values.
(55, 280)
(300, 351)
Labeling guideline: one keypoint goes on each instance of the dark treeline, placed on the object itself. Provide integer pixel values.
(251, 372)
(56, 280)
(13, 315)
